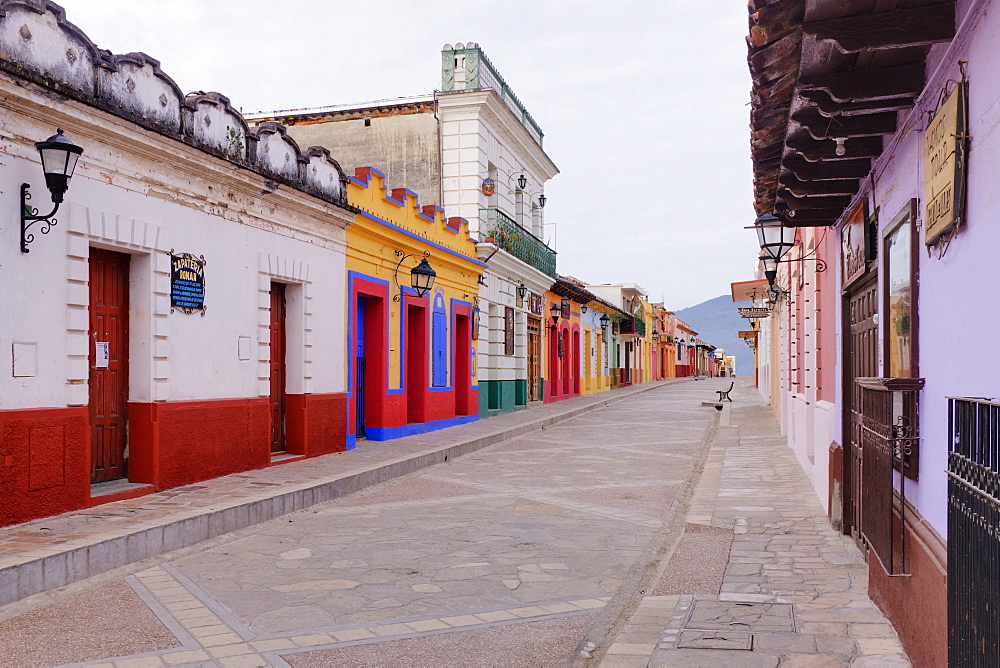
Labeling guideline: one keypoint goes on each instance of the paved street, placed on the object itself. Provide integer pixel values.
(653, 531)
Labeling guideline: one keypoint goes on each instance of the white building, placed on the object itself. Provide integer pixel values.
(183, 319)
(473, 149)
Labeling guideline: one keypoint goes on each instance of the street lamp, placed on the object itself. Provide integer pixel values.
(770, 268)
(59, 156)
(522, 291)
(555, 311)
(775, 239)
(421, 276)
(604, 322)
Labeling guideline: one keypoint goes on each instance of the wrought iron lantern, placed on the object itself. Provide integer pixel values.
(541, 200)
(775, 239)
(522, 291)
(421, 276)
(555, 311)
(770, 268)
(522, 182)
(59, 156)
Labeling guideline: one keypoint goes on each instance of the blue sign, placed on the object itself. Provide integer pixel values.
(187, 283)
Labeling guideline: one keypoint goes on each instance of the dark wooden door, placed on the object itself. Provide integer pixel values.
(862, 362)
(534, 359)
(278, 371)
(108, 364)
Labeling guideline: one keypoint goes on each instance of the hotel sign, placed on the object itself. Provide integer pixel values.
(854, 244)
(755, 312)
(944, 166)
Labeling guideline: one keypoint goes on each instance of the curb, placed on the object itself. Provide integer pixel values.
(78, 561)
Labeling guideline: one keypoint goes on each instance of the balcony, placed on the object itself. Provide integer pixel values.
(498, 228)
(632, 325)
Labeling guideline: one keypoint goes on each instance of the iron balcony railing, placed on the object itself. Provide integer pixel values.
(884, 424)
(632, 325)
(499, 228)
(973, 538)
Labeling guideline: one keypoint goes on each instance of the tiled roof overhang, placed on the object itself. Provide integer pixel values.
(824, 70)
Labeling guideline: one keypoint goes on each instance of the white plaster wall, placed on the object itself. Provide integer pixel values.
(122, 200)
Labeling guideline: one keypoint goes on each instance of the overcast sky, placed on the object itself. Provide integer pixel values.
(643, 104)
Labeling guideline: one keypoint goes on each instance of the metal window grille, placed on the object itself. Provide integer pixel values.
(973, 533)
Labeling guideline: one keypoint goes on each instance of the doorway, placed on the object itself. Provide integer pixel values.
(463, 365)
(861, 353)
(416, 364)
(534, 359)
(108, 405)
(278, 369)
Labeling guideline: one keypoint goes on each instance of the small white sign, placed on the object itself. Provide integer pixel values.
(101, 355)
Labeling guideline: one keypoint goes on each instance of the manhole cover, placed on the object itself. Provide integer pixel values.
(715, 640)
(737, 616)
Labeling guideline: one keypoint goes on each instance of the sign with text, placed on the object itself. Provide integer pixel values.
(755, 312)
(534, 303)
(854, 244)
(944, 166)
(187, 283)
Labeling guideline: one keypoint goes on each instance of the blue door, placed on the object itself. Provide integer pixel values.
(439, 344)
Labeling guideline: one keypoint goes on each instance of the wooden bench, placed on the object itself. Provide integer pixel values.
(724, 394)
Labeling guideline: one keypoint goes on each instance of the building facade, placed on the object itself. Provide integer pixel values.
(883, 170)
(411, 363)
(180, 319)
(474, 149)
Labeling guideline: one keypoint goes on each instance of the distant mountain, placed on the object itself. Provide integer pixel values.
(717, 322)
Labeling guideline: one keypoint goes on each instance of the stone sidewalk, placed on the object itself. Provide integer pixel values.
(52, 552)
(794, 592)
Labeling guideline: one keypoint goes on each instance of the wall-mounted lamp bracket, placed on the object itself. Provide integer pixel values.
(421, 276)
(29, 216)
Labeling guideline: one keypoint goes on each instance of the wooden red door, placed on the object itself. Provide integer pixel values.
(278, 367)
(108, 364)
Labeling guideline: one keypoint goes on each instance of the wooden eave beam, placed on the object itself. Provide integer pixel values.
(827, 170)
(800, 188)
(823, 127)
(822, 101)
(811, 217)
(896, 29)
(814, 150)
(805, 203)
(864, 85)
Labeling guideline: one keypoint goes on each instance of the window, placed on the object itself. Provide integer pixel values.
(900, 290)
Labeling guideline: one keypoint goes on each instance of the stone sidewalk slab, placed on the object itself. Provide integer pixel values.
(52, 552)
(794, 591)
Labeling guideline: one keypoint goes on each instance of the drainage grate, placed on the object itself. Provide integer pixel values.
(715, 640)
(739, 616)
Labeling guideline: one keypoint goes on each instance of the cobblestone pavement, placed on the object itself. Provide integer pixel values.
(794, 592)
(518, 554)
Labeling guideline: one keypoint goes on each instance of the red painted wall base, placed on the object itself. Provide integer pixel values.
(916, 605)
(45, 453)
(44, 462)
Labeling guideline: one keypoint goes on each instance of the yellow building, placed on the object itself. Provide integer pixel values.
(411, 362)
